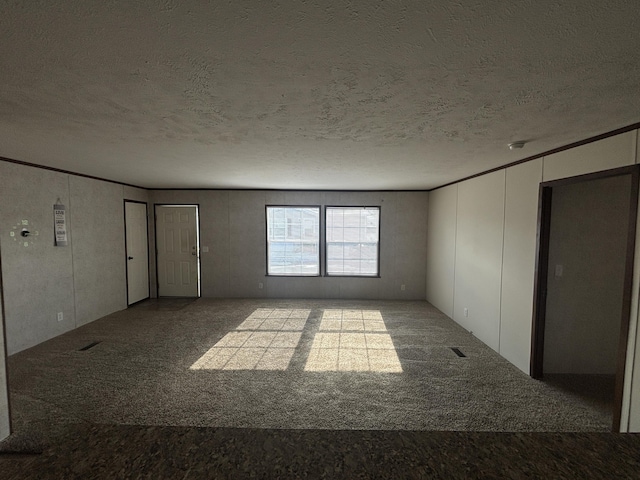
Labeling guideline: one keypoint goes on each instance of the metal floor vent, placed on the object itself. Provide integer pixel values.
(458, 352)
(87, 347)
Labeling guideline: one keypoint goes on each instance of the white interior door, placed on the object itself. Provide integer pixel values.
(177, 244)
(137, 245)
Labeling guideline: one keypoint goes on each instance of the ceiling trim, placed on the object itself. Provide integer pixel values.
(602, 136)
(67, 172)
(284, 190)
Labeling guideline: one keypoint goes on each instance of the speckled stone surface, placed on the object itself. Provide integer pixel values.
(118, 451)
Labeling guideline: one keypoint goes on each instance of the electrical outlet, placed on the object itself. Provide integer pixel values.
(466, 312)
(60, 316)
(402, 287)
(260, 285)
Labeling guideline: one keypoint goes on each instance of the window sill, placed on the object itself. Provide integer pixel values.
(291, 276)
(352, 276)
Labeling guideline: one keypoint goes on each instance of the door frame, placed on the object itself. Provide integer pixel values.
(4, 351)
(126, 253)
(155, 240)
(545, 198)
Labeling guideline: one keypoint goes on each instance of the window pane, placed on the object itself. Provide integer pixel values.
(352, 235)
(335, 251)
(293, 240)
(369, 251)
(351, 267)
(369, 267)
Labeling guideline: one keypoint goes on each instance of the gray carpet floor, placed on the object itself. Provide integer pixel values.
(280, 364)
(126, 451)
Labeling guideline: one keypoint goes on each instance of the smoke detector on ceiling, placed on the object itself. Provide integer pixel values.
(517, 145)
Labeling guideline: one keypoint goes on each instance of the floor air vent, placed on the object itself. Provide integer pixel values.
(87, 347)
(458, 352)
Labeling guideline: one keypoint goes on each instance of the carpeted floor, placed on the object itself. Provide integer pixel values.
(238, 366)
(140, 373)
(123, 451)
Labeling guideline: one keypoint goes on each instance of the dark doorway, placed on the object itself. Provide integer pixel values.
(582, 298)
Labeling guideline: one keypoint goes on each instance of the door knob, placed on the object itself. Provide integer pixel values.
(129, 258)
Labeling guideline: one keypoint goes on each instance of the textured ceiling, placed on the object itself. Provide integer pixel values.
(317, 94)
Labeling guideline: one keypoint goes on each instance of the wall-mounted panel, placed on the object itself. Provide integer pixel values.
(4, 391)
(406, 233)
(247, 246)
(519, 261)
(38, 278)
(478, 264)
(612, 152)
(441, 247)
(214, 238)
(633, 369)
(631, 397)
(137, 194)
(99, 271)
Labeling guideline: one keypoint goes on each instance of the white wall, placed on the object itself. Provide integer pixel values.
(97, 212)
(4, 393)
(519, 261)
(479, 235)
(516, 236)
(85, 280)
(631, 398)
(232, 226)
(498, 256)
(441, 247)
(507, 244)
(612, 152)
(588, 240)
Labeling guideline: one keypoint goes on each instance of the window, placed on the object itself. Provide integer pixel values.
(353, 237)
(293, 241)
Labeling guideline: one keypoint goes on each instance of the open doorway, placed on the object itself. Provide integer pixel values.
(586, 241)
(177, 250)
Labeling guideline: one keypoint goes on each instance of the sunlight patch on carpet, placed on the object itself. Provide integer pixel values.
(352, 341)
(265, 340)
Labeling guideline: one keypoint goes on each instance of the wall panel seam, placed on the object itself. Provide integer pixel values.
(504, 229)
(229, 243)
(73, 268)
(455, 255)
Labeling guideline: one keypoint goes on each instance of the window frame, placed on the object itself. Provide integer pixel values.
(326, 247)
(320, 242)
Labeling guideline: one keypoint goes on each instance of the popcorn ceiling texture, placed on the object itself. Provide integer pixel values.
(315, 94)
